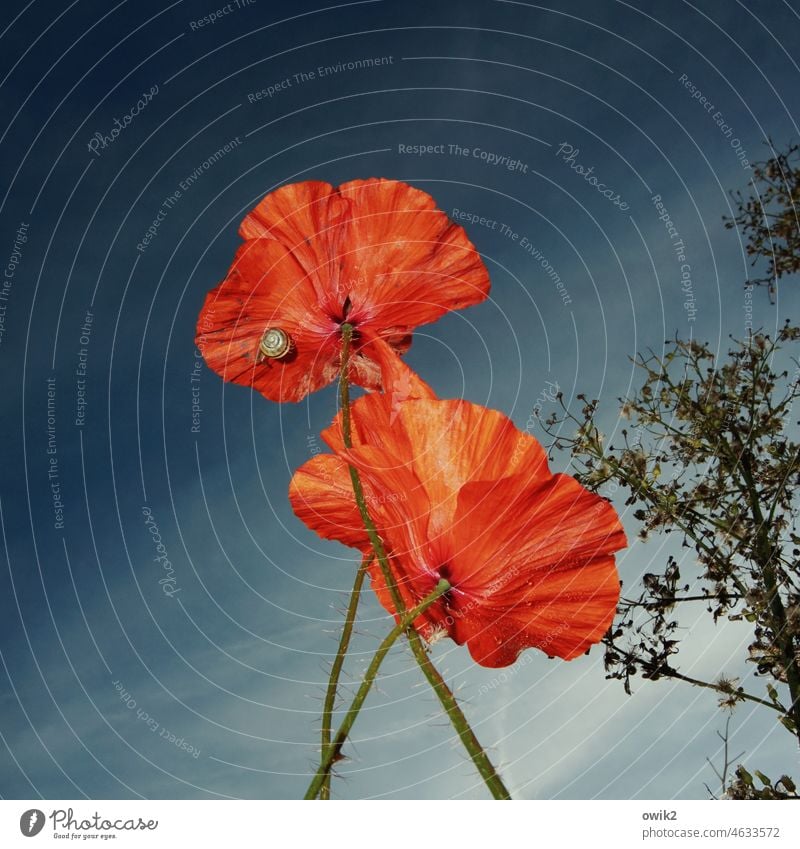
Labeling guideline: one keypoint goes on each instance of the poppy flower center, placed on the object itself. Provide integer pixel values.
(444, 571)
(342, 314)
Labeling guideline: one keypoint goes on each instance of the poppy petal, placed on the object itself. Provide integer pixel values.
(405, 262)
(413, 560)
(458, 442)
(566, 626)
(310, 220)
(321, 496)
(374, 417)
(453, 441)
(396, 377)
(529, 555)
(535, 561)
(426, 624)
(266, 288)
(349, 250)
(545, 527)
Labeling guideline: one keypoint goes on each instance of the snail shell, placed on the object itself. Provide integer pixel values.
(275, 344)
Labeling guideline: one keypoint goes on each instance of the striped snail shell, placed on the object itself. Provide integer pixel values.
(275, 343)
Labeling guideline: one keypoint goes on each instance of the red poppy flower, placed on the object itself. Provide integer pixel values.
(375, 253)
(456, 491)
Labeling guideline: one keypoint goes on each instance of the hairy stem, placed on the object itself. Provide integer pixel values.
(336, 669)
(445, 695)
(333, 750)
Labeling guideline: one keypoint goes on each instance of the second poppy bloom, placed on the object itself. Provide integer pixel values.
(375, 253)
(457, 492)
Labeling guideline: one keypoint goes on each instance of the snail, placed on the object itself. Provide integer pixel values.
(274, 345)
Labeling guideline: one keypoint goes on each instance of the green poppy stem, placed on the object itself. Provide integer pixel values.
(336, 669)
(332, 752)
(443, 692)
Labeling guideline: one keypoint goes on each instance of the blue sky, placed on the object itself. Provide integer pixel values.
(233, 663)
